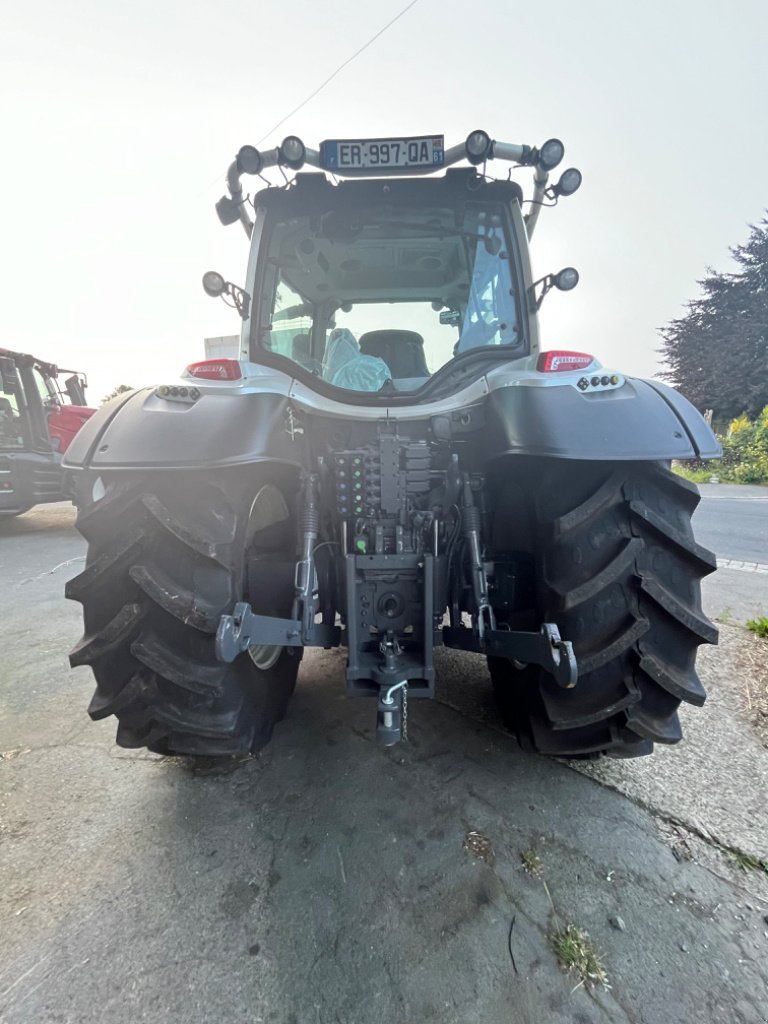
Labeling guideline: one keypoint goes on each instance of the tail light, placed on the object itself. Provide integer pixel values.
(215, 369)
(558, 361)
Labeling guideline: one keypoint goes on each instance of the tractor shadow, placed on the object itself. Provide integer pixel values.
(344, 881)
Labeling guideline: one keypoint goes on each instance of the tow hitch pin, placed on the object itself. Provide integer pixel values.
(388, 698)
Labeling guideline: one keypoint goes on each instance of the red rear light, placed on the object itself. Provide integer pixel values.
(215, 369)
(560, 360)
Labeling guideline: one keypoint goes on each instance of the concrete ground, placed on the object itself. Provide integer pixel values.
(330, 881)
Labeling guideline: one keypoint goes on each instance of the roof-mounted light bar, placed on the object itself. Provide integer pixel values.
(478, 146)
(293, 152)
(398, 156)
(570, 182)
(249, 160)
(550, 154)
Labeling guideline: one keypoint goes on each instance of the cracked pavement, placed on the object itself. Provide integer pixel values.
(328, 880)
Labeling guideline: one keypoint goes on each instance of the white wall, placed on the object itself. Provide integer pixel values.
(227, 346)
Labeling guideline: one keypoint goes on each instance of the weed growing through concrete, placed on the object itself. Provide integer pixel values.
(572, 945)
(747, 862)
(480, 847)
(759, 626)
(532, 863)
(576, 952)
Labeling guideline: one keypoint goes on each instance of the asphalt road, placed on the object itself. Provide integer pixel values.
(328, 880)
(732, 521)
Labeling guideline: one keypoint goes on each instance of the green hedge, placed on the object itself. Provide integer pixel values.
(745, 454)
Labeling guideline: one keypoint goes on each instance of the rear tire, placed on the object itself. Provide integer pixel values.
(619, 572)
(166, 558)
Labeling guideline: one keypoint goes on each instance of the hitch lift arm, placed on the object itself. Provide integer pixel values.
(544, 648)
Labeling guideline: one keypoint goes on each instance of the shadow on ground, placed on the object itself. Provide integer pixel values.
(327, 881)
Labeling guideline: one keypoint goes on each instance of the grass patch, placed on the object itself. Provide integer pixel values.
(696, 476)
(576, 952)
(532, 863)
(747, 862)
(573, 947)
(759, 626)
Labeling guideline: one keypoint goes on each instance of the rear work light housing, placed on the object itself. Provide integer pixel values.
(215, 369)
(561, 360)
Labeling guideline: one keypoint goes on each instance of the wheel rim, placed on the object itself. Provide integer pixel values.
(267, 509)
(264, 656)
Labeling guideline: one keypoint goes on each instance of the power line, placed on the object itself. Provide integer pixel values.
(330, 77)
(339, 69)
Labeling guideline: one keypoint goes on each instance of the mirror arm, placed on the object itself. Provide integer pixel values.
(241, 299)
(547, 282)
(540, 179)
(236, 193)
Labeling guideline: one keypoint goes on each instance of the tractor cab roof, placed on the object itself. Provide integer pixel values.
(315, 190)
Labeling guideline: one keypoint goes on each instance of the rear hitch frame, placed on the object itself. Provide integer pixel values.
(243, 628)
(545, 648)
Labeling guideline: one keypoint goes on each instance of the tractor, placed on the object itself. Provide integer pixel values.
(393, 463)
(38, 420)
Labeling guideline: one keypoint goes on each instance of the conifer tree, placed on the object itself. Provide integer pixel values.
(717, 354)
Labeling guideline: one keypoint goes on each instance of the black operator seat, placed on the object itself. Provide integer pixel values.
(402, 351)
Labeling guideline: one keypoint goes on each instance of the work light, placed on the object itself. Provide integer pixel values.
(550, 154)
(478, 146)
(292, 152)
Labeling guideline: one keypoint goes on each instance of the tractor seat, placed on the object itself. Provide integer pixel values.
(402, 351)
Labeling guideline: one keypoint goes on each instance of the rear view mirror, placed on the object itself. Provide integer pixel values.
(9, 375)
(566, 279)
(215, 286)
(75, 390)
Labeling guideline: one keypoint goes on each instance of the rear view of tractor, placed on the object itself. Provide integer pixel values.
(38, 420)
(391, 465)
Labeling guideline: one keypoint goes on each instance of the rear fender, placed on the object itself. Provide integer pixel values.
(639, 420)
(141, 430)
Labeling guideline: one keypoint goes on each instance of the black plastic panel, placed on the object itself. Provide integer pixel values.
(639, 421)
(217, 430)
(704, 441)
(636, 421)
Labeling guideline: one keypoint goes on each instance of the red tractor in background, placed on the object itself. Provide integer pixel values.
(38, 420)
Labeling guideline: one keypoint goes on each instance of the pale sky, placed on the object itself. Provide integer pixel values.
(118, 122)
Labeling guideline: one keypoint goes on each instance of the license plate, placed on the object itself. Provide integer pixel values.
(348, 155)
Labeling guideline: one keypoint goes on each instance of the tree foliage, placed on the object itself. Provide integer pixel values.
(745, 450)
(717, 354)
(119, 390)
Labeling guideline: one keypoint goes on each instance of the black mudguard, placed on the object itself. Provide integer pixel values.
(141, 430)
(639, 421)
